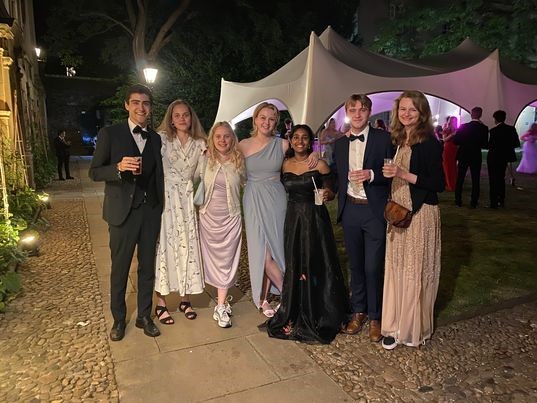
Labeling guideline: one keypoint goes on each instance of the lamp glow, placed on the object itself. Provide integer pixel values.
(37, 52)
(150, 74)
(347, 120)
(29, 242)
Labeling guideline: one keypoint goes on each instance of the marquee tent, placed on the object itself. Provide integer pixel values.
(317, 81)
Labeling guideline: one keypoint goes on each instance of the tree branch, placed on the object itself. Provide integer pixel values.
(162, 37)
(107, 17)
(130, 13)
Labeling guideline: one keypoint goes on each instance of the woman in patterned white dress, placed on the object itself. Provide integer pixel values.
(178, 262)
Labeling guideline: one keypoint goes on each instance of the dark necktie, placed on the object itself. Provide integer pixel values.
(352, 137)
(142, 132)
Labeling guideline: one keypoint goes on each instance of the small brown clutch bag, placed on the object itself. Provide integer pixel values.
(397, 215)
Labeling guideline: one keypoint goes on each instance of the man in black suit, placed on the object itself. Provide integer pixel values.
(62, 146)
(502, 143)
(471, 138)
(362, 195)
(127, 158)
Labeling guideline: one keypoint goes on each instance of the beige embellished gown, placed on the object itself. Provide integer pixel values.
(412, 268)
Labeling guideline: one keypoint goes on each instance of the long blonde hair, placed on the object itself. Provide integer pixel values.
(423, 129)
(196, 130)
(236, 156)
(258, 108)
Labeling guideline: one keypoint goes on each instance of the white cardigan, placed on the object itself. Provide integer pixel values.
(233, 183)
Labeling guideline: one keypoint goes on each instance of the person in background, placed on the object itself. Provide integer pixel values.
(379, 124)
(471, 137)
(314, 301)
(449, 154)
(362, 197)
(438, 132)
(220, 216)
(288, 124)
(327, 138)
(178, 265)
(528, 165)
(503, 140)
(62, 146)
(132, 207)
(412, 270)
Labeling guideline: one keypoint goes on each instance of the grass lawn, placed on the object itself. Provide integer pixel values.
(488, 256)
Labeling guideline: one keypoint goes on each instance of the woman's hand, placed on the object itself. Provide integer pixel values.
(327, 194)
(391, 170)
(313, 159)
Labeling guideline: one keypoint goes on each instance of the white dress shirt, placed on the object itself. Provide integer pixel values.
(140, 142)
(356, 161)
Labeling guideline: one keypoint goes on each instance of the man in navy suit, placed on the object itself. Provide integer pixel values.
(127, 158)
(502, 143)
(471, 137)
(362, 196)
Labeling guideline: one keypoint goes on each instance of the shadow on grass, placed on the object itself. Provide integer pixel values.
(457, 250)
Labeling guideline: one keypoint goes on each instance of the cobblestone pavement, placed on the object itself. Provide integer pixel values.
(53, 338)
(492, 358)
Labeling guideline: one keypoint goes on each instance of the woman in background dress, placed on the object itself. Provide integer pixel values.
(449, 155)
(220, 216)
(412, 266)
(178, 262)
(528, 164)
(328, 137)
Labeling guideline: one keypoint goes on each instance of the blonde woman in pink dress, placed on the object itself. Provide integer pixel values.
(220, 216)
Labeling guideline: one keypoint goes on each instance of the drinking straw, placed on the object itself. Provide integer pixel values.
(315, 185)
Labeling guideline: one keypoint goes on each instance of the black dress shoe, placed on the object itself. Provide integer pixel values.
(70, 177)
(118, 330)
(149, 327)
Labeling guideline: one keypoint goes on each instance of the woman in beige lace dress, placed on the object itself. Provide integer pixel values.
(413, 254)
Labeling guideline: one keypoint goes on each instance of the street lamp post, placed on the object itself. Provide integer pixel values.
(150, 74)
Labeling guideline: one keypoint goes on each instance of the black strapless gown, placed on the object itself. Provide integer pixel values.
(314, 299)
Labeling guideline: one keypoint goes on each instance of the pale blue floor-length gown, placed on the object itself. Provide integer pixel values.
(264, 204)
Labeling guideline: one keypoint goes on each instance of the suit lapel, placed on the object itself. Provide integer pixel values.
(368, 147)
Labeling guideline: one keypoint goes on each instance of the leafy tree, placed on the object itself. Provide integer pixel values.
(509, 26)
(72, 24)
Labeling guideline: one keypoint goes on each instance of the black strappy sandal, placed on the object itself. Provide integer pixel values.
(183, 306)
(161, 310)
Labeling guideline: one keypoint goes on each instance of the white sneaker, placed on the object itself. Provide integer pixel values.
(221, 316)
(228, 305)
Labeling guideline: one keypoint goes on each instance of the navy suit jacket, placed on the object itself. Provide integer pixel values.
(378, 147)
(114, 143)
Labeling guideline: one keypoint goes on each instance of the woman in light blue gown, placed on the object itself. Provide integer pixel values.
(264, 204)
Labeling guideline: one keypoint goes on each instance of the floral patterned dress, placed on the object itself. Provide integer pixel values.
(178, 260)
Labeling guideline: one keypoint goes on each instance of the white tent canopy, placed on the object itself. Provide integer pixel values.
(317, 81)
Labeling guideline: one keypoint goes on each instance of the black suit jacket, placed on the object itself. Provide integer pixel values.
(502, 143)
(378, 147)
(114, 143)
(426, 164)
(471, 138)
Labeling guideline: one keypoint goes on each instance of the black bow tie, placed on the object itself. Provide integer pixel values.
(352, 137)
(142, 132)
